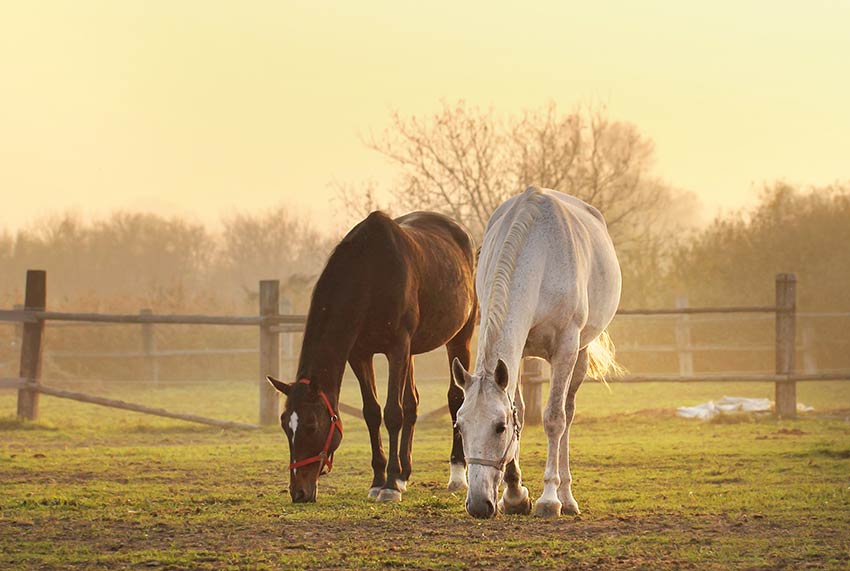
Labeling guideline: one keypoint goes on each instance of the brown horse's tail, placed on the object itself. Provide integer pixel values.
(601, 359)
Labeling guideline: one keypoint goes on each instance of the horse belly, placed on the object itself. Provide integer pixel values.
(441, 319)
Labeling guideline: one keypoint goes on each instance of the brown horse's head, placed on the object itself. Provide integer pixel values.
(314, 433)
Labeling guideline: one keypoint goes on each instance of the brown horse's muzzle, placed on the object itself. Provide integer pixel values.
(304, 484)
(302, 496)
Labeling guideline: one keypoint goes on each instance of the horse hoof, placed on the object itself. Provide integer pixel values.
(389, 495)
(516, 507)
(456, 486)
(457, 478)
(521, 508)
(373, 492)
(570, 509)
(401, 485)
(547, 508)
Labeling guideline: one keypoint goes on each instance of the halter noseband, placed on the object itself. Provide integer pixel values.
(326, 461)
(500, 464)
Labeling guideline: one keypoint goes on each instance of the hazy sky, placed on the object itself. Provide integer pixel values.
(201, 108)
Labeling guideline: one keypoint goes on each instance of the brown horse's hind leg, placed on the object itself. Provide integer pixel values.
(399, 363)
(365, 373)
(458, 347)
(410, 407)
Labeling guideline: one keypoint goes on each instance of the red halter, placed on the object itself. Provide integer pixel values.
(327, 461)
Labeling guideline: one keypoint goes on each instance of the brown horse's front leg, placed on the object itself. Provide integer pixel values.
(399, 364)
(365, 373)
(458, 347)
(410, 407)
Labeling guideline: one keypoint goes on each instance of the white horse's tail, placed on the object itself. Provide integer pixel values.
(601, 358)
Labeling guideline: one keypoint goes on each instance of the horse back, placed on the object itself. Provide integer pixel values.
(585, 272)
(441, 257)
(415, 276)
(566, 276)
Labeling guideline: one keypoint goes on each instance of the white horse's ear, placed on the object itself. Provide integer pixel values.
(279, 385)
(459, 375)
(501, 375)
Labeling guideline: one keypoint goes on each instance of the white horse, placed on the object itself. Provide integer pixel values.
(549, 284)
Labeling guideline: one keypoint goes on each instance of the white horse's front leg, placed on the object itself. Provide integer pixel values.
(515, 498)
(554, 424)
(569, 505)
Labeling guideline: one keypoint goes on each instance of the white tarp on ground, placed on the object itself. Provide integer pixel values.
(726, 405)
(730, 405)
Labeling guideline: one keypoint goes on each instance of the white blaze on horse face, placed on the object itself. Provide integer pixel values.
(293, 424)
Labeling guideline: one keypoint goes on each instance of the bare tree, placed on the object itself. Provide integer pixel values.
(357, 200)
(275, 244)
(465, 162)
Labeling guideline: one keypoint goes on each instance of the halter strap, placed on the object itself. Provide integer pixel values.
(326, 461)
(500, 464)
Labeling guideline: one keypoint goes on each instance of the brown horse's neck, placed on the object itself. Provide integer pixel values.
(325, 351)
(337, 310)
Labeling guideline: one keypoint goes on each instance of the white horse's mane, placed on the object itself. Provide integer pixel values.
(525, 210)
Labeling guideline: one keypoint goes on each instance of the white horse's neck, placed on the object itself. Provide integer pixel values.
(506, 312)
(508, 346)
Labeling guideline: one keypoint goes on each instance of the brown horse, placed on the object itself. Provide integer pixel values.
(397, 287)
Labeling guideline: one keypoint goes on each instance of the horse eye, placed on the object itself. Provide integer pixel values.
(500, 428)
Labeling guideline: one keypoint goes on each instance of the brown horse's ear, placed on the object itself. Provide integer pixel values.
(279, 385)
(459, 375)
(502, 375)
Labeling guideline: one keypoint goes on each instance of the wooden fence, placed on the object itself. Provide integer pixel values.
(34, 315)
(272, 323)
(785, 378)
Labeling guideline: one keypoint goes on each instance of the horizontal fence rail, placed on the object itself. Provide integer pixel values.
(12, 383)
(143, 354)
(113, 403)
(24, 316)
(699, 310)
(726, 378)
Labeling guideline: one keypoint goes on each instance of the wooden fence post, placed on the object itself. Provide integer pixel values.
(532, 390)
(149, 348)
(269, 352)
(683, 339)
(786, 313)
(32, 344)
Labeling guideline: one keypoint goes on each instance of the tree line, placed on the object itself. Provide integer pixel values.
(131, 260)
(462, 161)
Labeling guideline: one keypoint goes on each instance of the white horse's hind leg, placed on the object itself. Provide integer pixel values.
(554, 424)
(565, 492)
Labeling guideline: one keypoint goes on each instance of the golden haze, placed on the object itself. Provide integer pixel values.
(198, 108)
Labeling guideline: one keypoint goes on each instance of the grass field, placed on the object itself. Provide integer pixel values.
(93, 488)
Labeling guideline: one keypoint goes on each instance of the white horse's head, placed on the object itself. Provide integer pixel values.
(488, 424)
